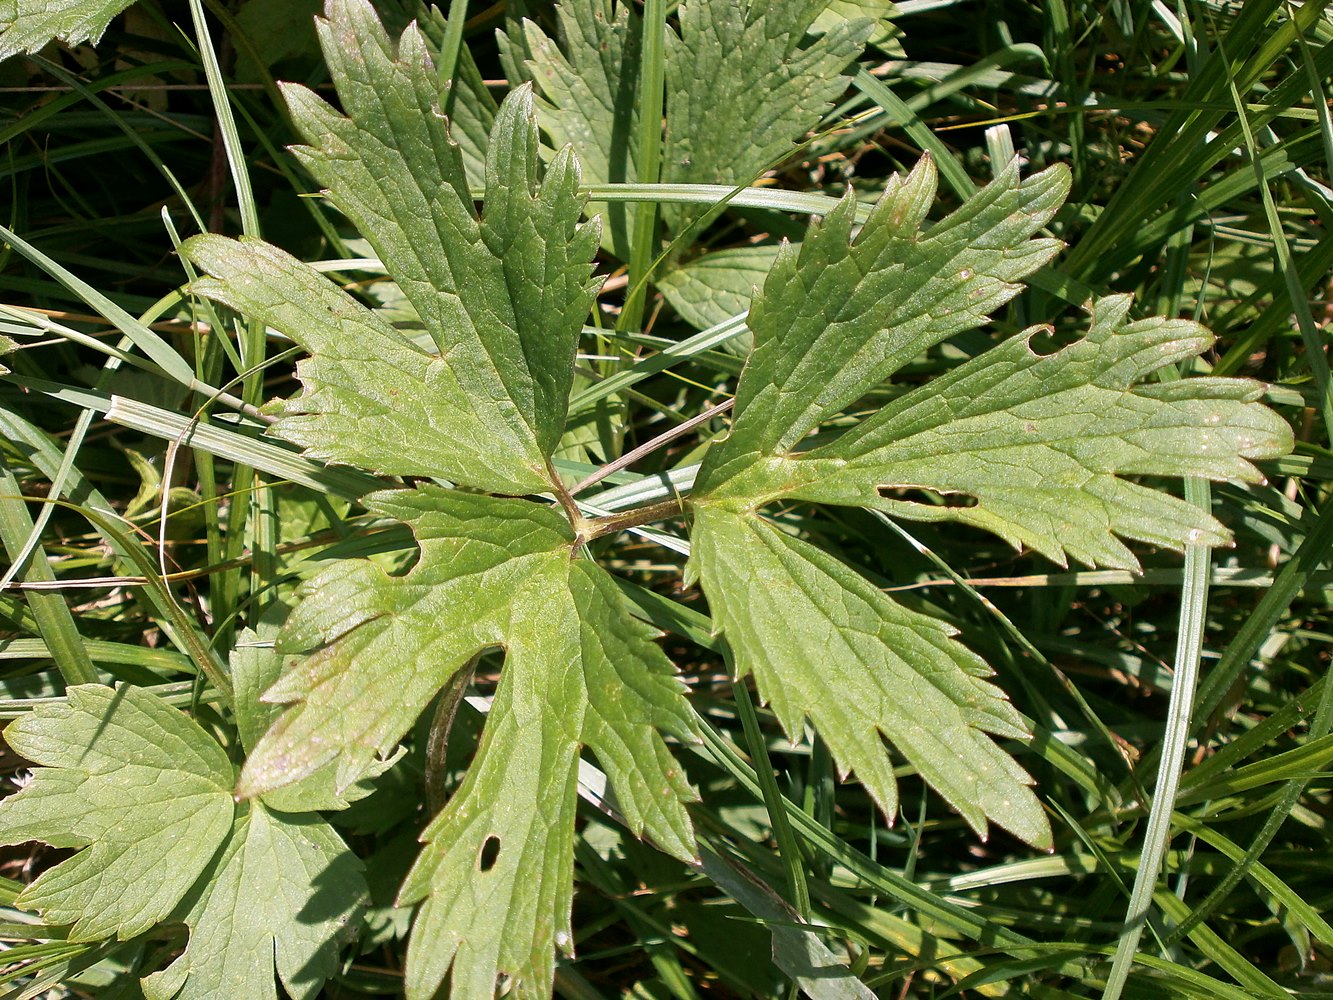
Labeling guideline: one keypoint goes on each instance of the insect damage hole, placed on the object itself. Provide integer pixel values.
(490, 853)
(1044, 341)
(927, 497)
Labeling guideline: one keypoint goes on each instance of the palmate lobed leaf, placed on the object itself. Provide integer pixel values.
(717, 286)
(579, 671)
(147, 795)
(503, 297)
(1036, 444)
(132, 780)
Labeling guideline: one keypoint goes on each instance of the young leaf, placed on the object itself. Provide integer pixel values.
(580, 670)
(27, 27)
(147, 794)
(740, 89)
(132, 781)
(503, 298)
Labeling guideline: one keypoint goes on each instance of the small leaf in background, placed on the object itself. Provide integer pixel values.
(275, 30)
(148, 796)
(884, 34)
(26, 26)
(741, 91)
(590, 84)
(281, 895)
(132, 781)
(717, 286)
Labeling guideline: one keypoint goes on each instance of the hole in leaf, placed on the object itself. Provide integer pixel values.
(927, 497)
(490, 853)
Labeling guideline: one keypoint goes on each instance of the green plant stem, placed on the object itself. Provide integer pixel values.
(1175, 740)
(652, 85)
(609, 525)
(648, 447)
(788, 847)
(437, 741)
(54, 620)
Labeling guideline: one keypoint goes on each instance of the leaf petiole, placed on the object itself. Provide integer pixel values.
(664, 510)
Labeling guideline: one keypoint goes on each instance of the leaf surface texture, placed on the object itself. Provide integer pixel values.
(147, 795)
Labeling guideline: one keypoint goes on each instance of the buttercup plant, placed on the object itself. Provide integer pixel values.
(1032, 447)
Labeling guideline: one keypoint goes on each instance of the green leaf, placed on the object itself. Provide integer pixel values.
(580, 670)
(884, 35)
(591, 86)
(1073, 422)
(717, 286)
(255, 667)
(1034, 445)
(383, 645)
(361, 370)
(826, 644)
(27, 26)
(503, 297)
(7, 346)
(132, 780)
(148, 795)
(840, 316)
(276, 30)
(741, 89)
(280, 895)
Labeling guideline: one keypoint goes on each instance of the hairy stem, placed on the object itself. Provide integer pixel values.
(662, 511)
